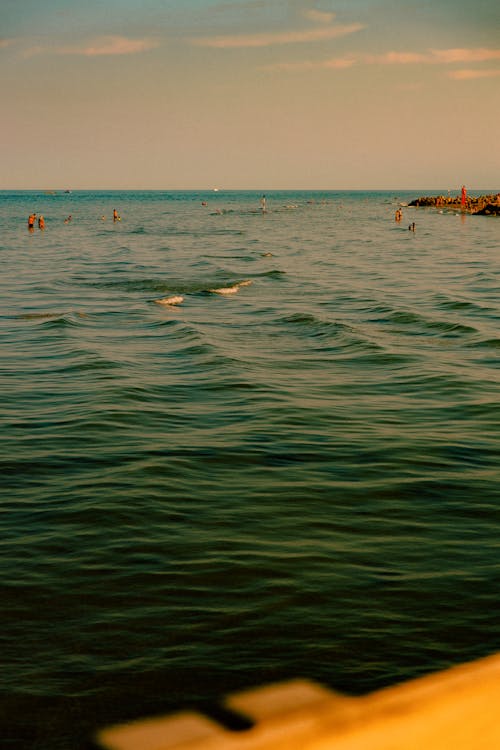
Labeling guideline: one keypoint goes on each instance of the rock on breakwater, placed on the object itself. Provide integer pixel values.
(482, 205)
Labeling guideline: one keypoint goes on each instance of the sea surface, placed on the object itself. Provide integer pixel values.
(291, 470)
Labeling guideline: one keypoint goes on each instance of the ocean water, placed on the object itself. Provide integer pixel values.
(292, 471)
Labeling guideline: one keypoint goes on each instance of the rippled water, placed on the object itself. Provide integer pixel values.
(296, 476)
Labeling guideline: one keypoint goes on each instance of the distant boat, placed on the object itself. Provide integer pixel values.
(216, 190)
(67, 191)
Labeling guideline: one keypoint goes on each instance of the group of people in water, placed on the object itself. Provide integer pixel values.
(41, 221)
(31, 222)
(263, 204)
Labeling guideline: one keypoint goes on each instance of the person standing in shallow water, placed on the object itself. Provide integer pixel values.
(263, 204)
(115, 215)
(41, 222)
(31, 222)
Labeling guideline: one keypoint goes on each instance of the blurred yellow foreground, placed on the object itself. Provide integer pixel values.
(457, 709)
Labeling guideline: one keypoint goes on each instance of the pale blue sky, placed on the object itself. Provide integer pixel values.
(250, 94)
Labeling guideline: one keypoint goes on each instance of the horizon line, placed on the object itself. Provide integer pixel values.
(67, 191)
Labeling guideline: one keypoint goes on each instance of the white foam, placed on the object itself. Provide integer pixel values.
(225, 290)
(230, 289)
(175, 300)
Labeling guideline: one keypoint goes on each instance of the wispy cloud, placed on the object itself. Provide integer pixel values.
(267, 39)
(4, 42)
(434, 57)
(335, 63)
(429, 57)
(466, 75)
(395, 58)
(465, 55)
(104, 45)
(111, 45)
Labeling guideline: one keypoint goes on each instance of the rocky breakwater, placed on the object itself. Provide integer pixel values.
(482, 205)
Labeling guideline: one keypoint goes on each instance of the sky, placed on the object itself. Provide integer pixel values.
(250, 94)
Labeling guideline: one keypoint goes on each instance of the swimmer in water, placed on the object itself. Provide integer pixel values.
(31, 221)
(41, 222)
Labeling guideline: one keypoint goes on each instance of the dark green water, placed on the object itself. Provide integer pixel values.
(292, 477)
